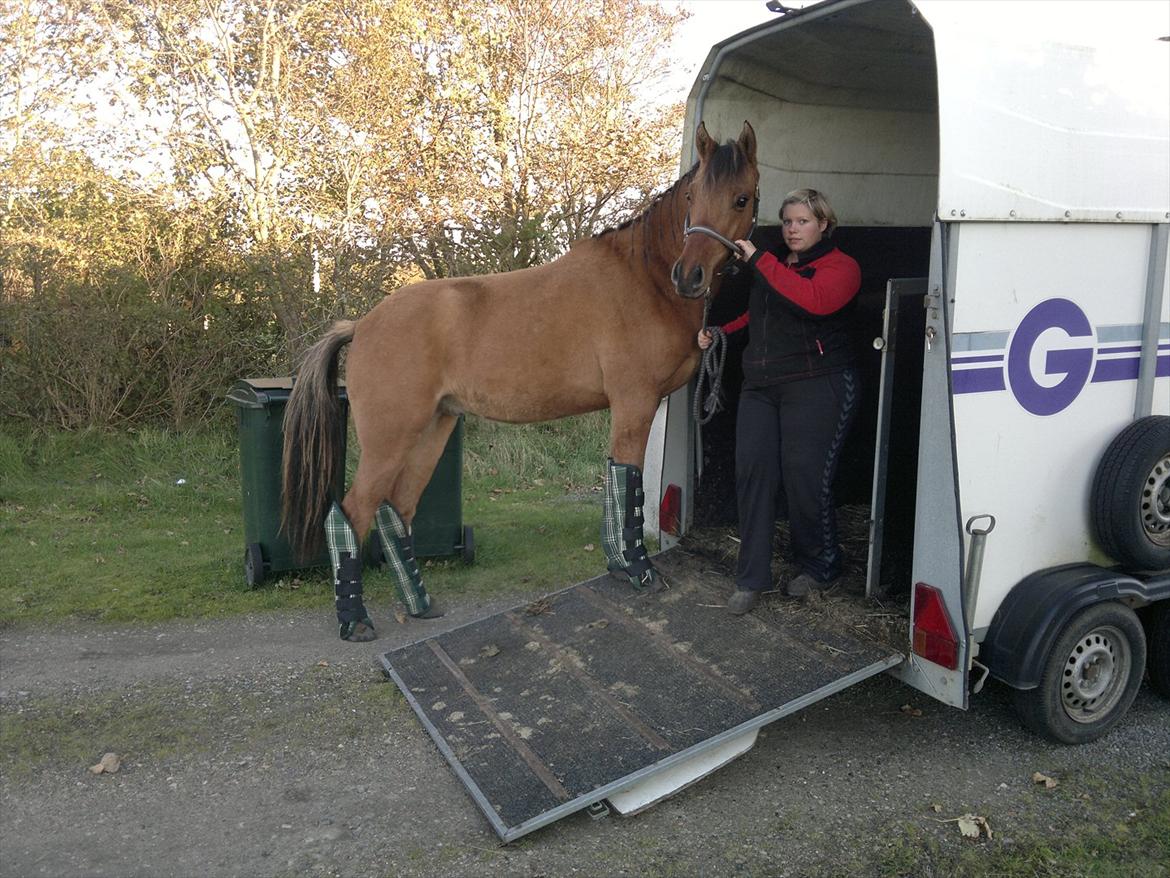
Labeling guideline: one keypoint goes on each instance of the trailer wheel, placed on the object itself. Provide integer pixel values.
(1158, 638)
(1131, 495)
(1090, 678)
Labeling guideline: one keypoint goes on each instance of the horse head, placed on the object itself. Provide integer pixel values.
(722, 199)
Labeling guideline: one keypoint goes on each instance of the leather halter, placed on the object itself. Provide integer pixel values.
(711, 233)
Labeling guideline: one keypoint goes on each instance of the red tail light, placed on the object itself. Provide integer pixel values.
(934, 638)
(670, 510)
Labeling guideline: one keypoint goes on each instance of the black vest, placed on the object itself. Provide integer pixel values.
(786, 342)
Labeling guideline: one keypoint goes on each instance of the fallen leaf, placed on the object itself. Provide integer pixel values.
(936, 808)
(985, 826)
(322, 664)
(598, 623)
(1049, 783)
(490, 650)
(910, 710)
(968, 826)
(400, 615)
(973, 825)
(589, 547)
(109, 764)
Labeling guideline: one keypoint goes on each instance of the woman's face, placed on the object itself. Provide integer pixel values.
(802, 229)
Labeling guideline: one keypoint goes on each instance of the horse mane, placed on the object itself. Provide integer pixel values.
(727, 161)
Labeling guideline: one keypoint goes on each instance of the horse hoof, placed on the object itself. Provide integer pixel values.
(434, 611)
(359, 632)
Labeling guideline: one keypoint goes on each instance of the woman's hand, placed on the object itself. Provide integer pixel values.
(748, 249)
(705, 339)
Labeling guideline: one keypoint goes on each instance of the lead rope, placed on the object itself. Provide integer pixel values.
(711, 370)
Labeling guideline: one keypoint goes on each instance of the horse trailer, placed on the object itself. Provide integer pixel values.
(1002, 175)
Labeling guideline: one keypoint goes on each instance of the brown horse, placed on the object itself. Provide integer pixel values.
(610, 323)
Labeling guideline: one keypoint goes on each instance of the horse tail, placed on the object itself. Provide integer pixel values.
(314, 431)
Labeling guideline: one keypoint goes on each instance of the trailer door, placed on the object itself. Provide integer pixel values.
(939, 657)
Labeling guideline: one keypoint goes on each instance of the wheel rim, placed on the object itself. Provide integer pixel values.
(1156, 503)
(1095, 674)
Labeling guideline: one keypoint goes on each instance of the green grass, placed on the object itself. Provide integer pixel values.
(96, 525)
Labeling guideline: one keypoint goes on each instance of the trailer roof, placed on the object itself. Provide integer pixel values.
(1043, 110)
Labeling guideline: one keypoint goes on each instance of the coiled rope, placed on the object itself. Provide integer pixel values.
(711, 371)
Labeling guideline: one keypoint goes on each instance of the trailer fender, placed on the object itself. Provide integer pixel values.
(1036, 610)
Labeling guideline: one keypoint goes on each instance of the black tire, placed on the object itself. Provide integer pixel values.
(1090, 678)
(1158, 642)
(253, 565)
(1131, 496)
(468, 544)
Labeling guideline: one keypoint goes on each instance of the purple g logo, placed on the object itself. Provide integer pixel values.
(1071, 364)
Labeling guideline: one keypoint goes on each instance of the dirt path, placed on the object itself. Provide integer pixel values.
(265, 746)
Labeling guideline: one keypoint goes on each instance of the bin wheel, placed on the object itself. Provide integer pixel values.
(1158, 639)
(1091, 676)
(1131, 495)
(468, 544)
(253, 565)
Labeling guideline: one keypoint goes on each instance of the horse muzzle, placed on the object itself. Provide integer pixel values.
(690, 284)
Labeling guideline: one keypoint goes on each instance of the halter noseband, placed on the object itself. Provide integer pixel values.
(711, 233)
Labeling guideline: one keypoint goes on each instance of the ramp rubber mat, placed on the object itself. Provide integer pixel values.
(545, 709)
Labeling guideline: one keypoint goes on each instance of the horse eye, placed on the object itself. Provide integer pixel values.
(741, 201)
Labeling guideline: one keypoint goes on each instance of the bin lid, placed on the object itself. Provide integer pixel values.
(258, 393)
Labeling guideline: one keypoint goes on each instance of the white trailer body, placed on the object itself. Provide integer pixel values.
(1032, 145)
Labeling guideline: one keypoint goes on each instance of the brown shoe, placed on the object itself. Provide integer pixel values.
(801, 585)
(742, 601)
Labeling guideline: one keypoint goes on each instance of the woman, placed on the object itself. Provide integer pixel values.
(799, 396)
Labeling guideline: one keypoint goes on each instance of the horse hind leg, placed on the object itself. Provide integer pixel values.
(395, 515)
(345, 555)
(348, 523)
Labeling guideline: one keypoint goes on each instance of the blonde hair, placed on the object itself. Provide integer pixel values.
(814, 201)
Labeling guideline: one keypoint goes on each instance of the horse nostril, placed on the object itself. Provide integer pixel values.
(696, 278)
(676, 273)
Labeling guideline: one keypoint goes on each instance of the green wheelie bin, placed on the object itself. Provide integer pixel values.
(438, 524)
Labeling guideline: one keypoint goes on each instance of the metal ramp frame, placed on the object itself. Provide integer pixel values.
(598, 691)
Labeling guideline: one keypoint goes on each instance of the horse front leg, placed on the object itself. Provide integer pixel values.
(623, 519)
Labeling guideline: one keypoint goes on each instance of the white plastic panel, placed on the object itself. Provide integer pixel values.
(1052, 110)
(1044, 356)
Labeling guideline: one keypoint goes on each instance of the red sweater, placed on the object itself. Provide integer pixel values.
(833, 285)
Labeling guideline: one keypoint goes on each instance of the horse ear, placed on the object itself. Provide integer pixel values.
(704, 143)
(747, 141)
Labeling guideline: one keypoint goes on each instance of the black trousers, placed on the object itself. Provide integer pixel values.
(788, 440)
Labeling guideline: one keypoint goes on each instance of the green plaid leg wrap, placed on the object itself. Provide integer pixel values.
(613, 516)
(398, 547)
(622, 524)
(345, 556)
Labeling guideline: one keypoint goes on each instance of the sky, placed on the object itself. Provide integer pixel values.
(712, 21)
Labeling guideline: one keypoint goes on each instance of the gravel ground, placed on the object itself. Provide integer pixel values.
(264, 746)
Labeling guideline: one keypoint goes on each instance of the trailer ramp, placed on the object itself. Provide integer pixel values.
(599, 692)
